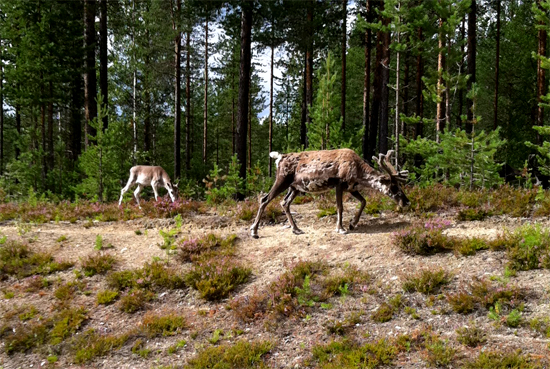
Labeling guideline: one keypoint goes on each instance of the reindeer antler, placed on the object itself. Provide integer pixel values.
(385, 164)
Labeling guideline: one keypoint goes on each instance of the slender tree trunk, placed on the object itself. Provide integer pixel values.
(43, 136)
(344, 49)
(309, 63)
(303, 117)
(440, 107)
(497, 68)
(90, 79)
(188, 102)
(366, 84)
(177, 90)
(134, 86)
(103, 61)
(232, 114)
(50, 128)
(385, 92)
(406, 82)
(472, 42)
(397, 91)
(376, 96)
(249, 129)
(460, 68)
(271, 110)
(541, 78)
(18, 129)
(244, 89)
(419, 127)
(1, 110)
(205, 126)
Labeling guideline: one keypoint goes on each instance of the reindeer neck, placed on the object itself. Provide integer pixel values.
(373, 178)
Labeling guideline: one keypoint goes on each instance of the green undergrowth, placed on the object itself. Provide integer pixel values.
(18, 260)
(215, 271)
(305, 285)
(97, 263)
(495, 359)
(241, 354)
(152, 276)
(426, 281)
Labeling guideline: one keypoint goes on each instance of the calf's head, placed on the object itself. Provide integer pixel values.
(392, 182)
(172, 190)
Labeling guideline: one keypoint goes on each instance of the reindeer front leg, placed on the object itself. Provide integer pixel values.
(136, 194)
(154, 184)
(339, 209)
(286, 207)
(358, 196)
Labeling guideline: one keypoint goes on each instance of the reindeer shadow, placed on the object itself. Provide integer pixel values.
(379, 226)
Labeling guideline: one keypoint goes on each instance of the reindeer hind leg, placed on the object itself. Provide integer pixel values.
(292, 193)
(278, 187)
(355, 220)
(125, 189)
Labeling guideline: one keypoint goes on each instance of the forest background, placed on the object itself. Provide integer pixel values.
(89, 88)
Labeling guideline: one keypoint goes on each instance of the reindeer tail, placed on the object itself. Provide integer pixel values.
(275, 155)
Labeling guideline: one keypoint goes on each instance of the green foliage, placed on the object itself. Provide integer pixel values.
(241, 354)
(347, 354)
(324, 132)
(495, 359)
(19, 260)
(106, 297)
(426, 281)
(135, 300)
(528, 247)
(471, 336)
(222, 187)
(152, 276)
(154, 325)
(438, 352)
(462, 302)
(451, 160)
(98, 264)
(91, 345)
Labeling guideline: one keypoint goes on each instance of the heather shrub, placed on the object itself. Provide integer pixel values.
(241, 354)
(424, 239)
(191, 248)
(488, 295)
(214, 278)
(19, 260)
(152, 276)
(471, 336)
(516, 202)
(462, 302)
(425, 281)
(97, 264)
(347, 354)
(90, 345)
(438, 352)
(495, 359)
(471, 214)
(106, 297)
(135, 300)
(153, 325)
(528, 247)
(431, 198)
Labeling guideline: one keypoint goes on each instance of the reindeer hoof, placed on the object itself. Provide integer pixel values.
(341, 231)
(286, 226)
(297, 231)
(255, 236)
(351, 227)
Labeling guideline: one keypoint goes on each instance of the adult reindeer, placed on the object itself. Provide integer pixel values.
(145, 175)
(320, 171)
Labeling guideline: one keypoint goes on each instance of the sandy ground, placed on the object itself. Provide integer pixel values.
(369, 247)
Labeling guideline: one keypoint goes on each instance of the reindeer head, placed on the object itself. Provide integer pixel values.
(172, 190)
(391, 185)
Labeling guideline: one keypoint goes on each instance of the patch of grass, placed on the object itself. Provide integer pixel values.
(91, 345)
(514, 319)
(53, 330)
(215, 278)
(280, 298)
(241, 355)
(462, 302)
(341, 327)
(97, 264)
(174, 348)
(347, 354)
(29, 313)
(139, 349)
(135, 300)
(153, 275)
(154, 325)
(495, 359)
(470, 246)
(438, 352)
(528, 247)
(471, 214)
(471, 336)
(190, 249)
(19, 260)
(541, 325)
(106, 297)
(61, 238)
(425, 239)
(66, 291)
(347, 280)
(426, 281)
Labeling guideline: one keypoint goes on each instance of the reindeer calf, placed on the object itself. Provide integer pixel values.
(155, 177)
(320, 171)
